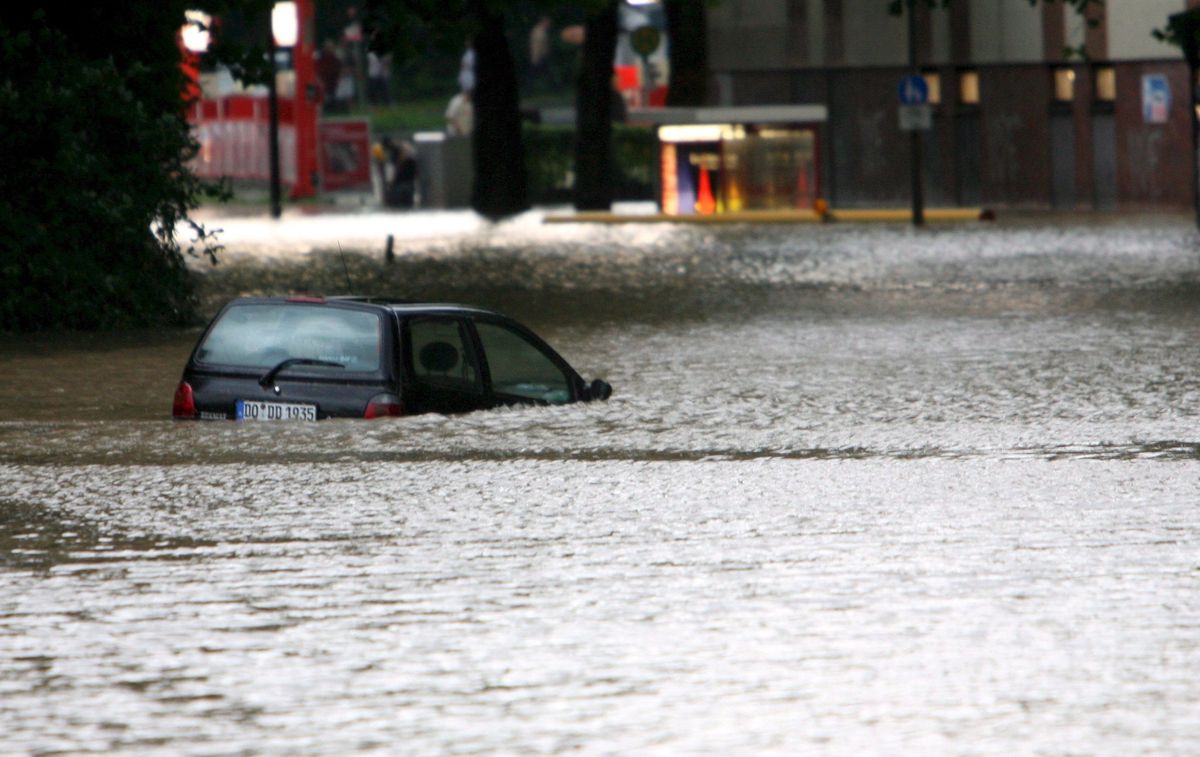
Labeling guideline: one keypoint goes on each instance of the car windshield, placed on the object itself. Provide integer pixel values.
(261, 335)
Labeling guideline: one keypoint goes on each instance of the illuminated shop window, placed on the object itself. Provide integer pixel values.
(933, 82)
(1106, 84)
(1064, 85)
(717, 168)
(968, 87)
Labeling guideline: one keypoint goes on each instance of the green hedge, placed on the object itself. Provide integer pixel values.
(550, 163)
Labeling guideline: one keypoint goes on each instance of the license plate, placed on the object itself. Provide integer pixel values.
(251, 410)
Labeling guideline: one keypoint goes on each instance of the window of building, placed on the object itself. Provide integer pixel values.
(1064, 85)
(933, 82)
(968, 87)
(1106, 84)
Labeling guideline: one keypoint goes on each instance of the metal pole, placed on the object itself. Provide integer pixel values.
(918, 200)
(1185, 28)
(273, 128)
(1195, 141)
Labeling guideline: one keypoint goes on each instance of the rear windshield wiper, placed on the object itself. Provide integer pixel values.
(269, 376)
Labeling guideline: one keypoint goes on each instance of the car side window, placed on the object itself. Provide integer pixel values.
(519, 368)
(441, 354)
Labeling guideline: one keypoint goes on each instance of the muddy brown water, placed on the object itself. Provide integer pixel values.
(859, 489)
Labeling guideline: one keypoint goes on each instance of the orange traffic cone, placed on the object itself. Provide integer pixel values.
(705, 204)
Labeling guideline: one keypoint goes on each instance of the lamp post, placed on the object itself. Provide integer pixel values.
(283, 33)
(194, 38)
(292, 29)
(918, 199)
(273, 128)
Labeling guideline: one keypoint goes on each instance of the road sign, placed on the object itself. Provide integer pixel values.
(914, 90)
(916, 117)
(1156, 98)
(645, 40)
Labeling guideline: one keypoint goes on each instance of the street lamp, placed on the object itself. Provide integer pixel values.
(195, 34)
(195, 37)
(285, 24)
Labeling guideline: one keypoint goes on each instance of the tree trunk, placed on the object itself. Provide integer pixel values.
(687, 30)
(500, 188)
(594, 163)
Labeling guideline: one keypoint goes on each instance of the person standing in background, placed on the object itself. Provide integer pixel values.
(404, 181)
(352, 58)
(466, 69)
(378, 68)
(460, 115)
(539, 54)
(329, 71)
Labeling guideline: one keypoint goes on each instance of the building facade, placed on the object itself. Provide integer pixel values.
(1020, 118)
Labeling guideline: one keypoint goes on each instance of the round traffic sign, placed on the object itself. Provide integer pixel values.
(914, 90)
(645, 40)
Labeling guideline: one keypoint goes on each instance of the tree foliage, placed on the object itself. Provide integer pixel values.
(93, 168)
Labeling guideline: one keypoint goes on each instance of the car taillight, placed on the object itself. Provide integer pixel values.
(185, 401)
(384, 406)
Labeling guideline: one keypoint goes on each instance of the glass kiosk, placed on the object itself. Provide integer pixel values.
(736, 159)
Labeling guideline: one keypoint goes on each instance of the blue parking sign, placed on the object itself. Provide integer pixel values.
(914, 90)
(1156, 98)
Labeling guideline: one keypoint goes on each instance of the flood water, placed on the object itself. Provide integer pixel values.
(859, 489)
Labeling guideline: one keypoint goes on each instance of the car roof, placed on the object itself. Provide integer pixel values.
(396, 305)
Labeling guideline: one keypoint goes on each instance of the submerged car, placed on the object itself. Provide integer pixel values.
(307, 358)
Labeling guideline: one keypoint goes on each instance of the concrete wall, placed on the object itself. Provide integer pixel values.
(749, 13)
(939, 33)
(747, 34)
(1015, 160)
(1152, 165)
(868, 153)
(872, 37)
(1130, 25)
(815, 31)
(1005, 32)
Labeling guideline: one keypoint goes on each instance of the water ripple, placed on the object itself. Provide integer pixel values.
(859, 490)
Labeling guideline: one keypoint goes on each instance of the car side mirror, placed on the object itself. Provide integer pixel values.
(599, 390)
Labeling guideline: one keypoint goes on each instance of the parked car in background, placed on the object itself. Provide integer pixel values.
(308, 358)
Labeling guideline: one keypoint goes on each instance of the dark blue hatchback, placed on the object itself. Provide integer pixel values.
(306, 358)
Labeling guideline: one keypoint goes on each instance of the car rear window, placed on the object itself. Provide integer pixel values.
(263, 335)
